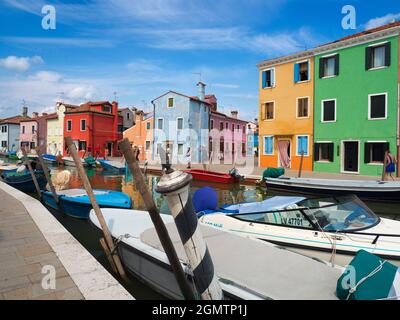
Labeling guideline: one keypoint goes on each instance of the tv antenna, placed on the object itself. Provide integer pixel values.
(61, 95)
(199, 74)
(115, 96)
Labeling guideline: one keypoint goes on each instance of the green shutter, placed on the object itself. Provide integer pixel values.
(316, 151)
(367, 152)
(337, 62)
(387, 54)
(330, 151)
(368, 58)
(321, 67)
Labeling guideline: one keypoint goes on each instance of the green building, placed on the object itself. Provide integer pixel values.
(356, 102)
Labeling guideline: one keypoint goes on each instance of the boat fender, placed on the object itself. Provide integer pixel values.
(205, 199)
(21, 169)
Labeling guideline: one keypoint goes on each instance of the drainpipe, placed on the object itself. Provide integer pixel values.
(154, 129)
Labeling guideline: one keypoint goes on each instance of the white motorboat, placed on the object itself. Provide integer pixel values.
(365, 189)
(332, 229)
(246, 268)
(69, 161)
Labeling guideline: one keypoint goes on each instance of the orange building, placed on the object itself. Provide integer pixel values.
(286, 112)
(141, 134)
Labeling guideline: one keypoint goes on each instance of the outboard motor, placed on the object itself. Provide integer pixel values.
(235, 174)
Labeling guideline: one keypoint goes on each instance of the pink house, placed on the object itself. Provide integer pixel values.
(228, 137)
(28, 135)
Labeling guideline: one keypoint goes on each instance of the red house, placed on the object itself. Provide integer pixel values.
(95, 128)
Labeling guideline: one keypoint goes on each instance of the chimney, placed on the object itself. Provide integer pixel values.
(25, 111)
(202, 91)
(35, 115)
(234, 114)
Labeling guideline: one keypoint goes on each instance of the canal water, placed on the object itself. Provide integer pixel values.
(89, 236)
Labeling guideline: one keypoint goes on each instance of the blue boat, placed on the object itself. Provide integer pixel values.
(49, 158)
(115, 166)
(23, 181)
(76, 202)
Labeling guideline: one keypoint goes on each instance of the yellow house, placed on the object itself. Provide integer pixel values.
(286, 111)
(55, 128)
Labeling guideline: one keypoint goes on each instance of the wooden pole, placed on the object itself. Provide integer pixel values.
(47, 175)
(159, 225)
(301, 163)
(97, 210)
(384, 166)
(28, 163)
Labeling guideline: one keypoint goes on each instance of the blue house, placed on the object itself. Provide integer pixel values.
(180, 122)
(10, 132)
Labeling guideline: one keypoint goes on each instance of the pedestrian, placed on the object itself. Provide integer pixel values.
(390, 164)
(189, 157)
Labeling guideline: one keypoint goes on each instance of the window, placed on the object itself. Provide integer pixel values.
(221, 126)
(148, 145)
(212, 124)
(69, 125)
(302, 108)
(226, 125)
(33, 129)
(328, 111)
(82, 145)
(301, 71)
(377, 56)
(323, 151)
(120, 128)
(329, 66)
(32, 145)
(23, 129)
(302, 145)
(180, 149)
(148, 126)
(106, 108)
(268, 145)
(179, 123)
(268, 111)
(128, 116)
(374, 152)
(4, 129)
(170, 102)
(83, 125)
(243, 149)
(160, 123)
(4, 144)
(268, 78)
(377, 106)
(159, 146)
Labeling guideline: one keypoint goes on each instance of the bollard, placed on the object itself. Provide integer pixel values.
(175, 185)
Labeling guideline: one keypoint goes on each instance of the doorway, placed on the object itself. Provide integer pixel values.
(351, 156)
(284, 154)
(109, 149)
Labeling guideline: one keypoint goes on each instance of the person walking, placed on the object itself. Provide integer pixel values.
(188, 158)
(390, 164)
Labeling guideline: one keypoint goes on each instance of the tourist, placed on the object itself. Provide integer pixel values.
(390, 164)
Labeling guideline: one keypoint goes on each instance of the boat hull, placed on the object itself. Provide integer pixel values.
(371, 194)
(106, 165)
(80, 208)
(71, 163)
(210, 176)
(25, 183)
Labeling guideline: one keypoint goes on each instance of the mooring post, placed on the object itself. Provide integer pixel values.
(384, 166)
(175, 185)
(301, 163)
(96, 208)
(28, 163)
(159, 225)
(47, 175)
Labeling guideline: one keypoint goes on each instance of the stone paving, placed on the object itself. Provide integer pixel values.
(23, 253)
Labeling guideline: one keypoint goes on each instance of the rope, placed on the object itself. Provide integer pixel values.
(362, 280)
(190, 272)
(118, 240)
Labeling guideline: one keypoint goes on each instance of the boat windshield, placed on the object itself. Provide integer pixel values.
(346, 214)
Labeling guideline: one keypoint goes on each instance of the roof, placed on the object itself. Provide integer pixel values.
(91, 103)
(52, 116)
(42, 117)
(183, 95)
(354, 39)
(226, 116)
(14, 120)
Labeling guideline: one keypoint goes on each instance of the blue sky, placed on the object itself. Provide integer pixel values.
(140, 49)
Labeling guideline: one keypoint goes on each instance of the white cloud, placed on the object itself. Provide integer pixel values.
(47, 76)
(70, 42)
(380, 21)
(19, 63)
(225, 85)
(83, 92)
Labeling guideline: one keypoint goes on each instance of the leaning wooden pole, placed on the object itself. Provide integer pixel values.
(28, 163)
(159, 225)
(384, 166)
(96, 208)
(47, 175)
(301, 163)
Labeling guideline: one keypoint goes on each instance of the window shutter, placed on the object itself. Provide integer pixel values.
(330, 151)
(264, 79)
(296, 72)
(308, 70)
(316, 151)
(321, 67)
(387, 54)
(337, 65)
(272, 77)
(367, 153)
(368, 58)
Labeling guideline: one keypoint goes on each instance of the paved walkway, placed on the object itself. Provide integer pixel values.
(23, 253)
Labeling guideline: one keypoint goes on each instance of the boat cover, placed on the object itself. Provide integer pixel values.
(72, 193)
